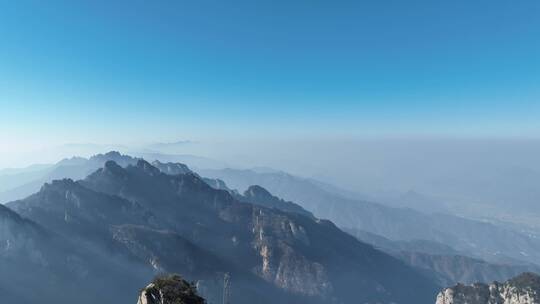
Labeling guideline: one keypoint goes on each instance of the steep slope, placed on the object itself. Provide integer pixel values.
(260, 196)
(292, 252)
(69, 209)
(38, 265)
(523, 289)
(116, 231)
(20, 247)
(480, 239)
(179, 223)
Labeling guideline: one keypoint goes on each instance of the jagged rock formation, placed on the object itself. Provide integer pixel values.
(523, 289)
(258, 195)
(144, 221)
(171, 289)
(178, 168)
(171, 168)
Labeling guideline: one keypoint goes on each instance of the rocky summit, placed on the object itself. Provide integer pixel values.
(170, 289)
(523, 289)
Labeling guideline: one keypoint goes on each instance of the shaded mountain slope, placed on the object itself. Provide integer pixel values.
(480, 239)
(56, 269)
(124, 233)
(444, 264)
(292, 252)
(137, 220)
(260, 196)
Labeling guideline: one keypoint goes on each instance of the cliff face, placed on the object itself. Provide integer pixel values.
(298, 254)
(523, 289)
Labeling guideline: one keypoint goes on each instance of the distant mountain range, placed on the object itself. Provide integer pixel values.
(442, 263)
(485, 240)
(119, 207)
(132, 218)
(19, 183)
(26, 182)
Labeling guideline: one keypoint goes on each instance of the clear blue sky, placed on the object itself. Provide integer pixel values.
(104, 71)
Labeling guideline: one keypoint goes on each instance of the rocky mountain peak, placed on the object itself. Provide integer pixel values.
(109, 155)
(147, 167)
(59, 184)
(166, 223)
(171, 289)
(122, 160)
(113, 168)
(172, 168)
(6, 213)
(256, 191)
(73, 161)
(258, 195)
(523, 289)
(526, 280)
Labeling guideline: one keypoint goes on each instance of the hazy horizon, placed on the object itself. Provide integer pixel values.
(131, 73)
(440, 98)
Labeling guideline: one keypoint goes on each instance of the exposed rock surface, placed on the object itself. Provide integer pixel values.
(170, 289)
(171, 168)
(125, 223)
(523, 289)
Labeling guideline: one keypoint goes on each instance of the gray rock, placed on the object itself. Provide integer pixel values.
(523, 289)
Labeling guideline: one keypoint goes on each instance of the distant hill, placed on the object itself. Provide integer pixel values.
(443, 264)
(483, 240)
(73, 168)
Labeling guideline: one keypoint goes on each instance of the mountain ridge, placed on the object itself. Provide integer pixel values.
(475, 238)
(294, 255)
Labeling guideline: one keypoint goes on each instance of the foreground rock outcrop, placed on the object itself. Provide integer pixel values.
(523, 289)
(171, 289)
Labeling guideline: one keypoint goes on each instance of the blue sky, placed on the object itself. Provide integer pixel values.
(128, 71)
